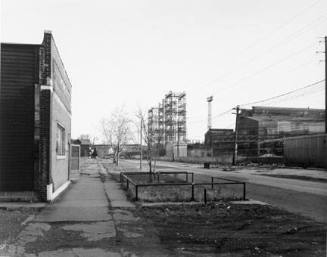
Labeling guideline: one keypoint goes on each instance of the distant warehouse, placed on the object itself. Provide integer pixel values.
(259, 126)
(35, 115)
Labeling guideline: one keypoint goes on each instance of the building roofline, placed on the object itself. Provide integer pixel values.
(285, 108)
(218, 129)
(282, 118)
(55, 45)
(39, 45)
(19, 44)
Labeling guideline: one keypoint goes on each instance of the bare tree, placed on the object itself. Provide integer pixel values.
(148, 137)
(116, 131)
(153, 138)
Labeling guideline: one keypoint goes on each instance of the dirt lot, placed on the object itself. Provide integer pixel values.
(11, 223)
(223, 229)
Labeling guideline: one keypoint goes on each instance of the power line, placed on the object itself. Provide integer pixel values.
(266, 67)
(285, 24)
(274, 46)
(265, 37)
(223, 113)
(287, 93)
(265, 100)
(297, 33)
(297, 67)
(299, 96)
(215, 116)
(293, 36)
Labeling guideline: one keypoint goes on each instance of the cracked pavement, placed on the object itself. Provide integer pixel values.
(92, 218)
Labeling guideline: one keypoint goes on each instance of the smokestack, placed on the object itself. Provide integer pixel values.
(209, 100)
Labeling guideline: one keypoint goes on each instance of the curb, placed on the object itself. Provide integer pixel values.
(22, 206)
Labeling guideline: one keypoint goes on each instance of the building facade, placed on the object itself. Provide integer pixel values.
(261, 125)
(167, 124)
(306, 151)
(85, 147)
(35, 114)
(103, 150)
(219, 141)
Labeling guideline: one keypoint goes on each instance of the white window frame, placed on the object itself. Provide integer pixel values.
(60, 142)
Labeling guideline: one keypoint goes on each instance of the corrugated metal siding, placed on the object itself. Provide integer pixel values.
(306, 150)
(18, 77)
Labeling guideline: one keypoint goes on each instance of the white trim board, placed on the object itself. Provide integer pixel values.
(53, 195)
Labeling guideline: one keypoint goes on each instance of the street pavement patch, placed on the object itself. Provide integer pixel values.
(79, 252)
(137, 232)
(94, 231)
(32, 232)
(64, 214)
(124, 216)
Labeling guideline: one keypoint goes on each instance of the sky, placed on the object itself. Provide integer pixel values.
(130, 53)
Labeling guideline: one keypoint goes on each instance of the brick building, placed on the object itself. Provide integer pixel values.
(219, 141)
(35, 114)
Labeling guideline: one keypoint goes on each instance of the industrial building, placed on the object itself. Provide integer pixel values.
(260, 125)
(219, 141)
(167, 124)
(306, 151)
(35, 114)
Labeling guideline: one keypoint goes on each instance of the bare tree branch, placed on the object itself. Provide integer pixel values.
(116, 131)
(148, 137)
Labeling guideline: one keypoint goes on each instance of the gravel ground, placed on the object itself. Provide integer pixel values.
(11, 223)
(236, 230)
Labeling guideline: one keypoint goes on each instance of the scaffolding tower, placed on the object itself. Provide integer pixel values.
(167, 122)
(175, 117)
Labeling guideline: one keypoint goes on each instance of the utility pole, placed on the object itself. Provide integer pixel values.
(177, 136)
(236, 135)
(326, 84)
(141, 152)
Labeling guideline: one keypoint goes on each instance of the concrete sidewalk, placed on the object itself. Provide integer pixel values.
(92, 218)
(85, 201)
(116, 196)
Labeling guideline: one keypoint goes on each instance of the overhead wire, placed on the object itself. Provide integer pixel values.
(263, 38)
(215, 116)
(305, 94)
(269, 66)
(273, 64)
(254, 58)
(266, 99)
(284, 94)
(310, 61)
(284, 24)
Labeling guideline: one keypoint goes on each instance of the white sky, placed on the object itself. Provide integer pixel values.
(133, 52)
